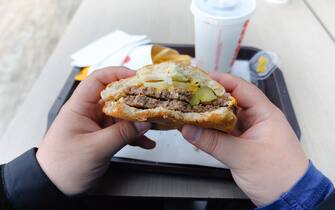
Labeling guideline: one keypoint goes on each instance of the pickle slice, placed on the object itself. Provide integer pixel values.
(195, 100)
(204, 94)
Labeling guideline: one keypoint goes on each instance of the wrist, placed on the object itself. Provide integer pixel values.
(52, 171)
(286, 180)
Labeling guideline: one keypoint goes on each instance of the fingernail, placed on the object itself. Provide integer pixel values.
(142, 127)
(192, 133)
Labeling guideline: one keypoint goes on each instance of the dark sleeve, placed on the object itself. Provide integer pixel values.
(312, 189)
(25, 186)
(4, 204)
(327, 204)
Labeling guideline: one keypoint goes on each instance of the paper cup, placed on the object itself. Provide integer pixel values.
(218, 35)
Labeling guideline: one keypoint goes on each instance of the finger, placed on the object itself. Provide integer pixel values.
(247, 94)
(144, 142)
(89, 90)
(111, 139)
(221, 146)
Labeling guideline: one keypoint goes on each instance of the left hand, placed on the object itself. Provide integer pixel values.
(78, 147)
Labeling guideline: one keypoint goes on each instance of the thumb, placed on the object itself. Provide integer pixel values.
(113, 138)
(218, 144)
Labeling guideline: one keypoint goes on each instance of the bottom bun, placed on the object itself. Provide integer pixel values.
(222, 119)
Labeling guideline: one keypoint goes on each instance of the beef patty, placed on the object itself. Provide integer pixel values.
(177, 94)
(178, 100)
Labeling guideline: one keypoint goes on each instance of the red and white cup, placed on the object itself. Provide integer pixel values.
(219, 29)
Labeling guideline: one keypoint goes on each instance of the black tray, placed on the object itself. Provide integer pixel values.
(274, 88)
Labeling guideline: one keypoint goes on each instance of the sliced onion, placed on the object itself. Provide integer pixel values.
(161, 84)
(182, 85)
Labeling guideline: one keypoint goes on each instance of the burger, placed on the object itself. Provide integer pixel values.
(170, 95)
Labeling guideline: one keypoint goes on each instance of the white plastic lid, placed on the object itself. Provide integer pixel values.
(224, 9)
(222, 4)
(278, 1)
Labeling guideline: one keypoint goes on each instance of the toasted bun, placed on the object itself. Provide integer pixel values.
(222, 118)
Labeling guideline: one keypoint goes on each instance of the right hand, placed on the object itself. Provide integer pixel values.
(77, 148)
(263, 154)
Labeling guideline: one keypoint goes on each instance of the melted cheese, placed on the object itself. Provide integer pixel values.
(232, 101)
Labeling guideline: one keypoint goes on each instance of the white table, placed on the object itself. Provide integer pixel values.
(324, 11)
(307, 56)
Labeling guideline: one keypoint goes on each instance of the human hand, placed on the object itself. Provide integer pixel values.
(263, 153)
(77, 149)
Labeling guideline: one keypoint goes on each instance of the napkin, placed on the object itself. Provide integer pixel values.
(110, 50)
(125, 57)
(171, 147)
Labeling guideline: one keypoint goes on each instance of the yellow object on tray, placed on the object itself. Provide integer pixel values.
(159, 54)
(262, 64)
(83, 73)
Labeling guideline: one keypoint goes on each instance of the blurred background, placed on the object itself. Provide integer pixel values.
(30, 29)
